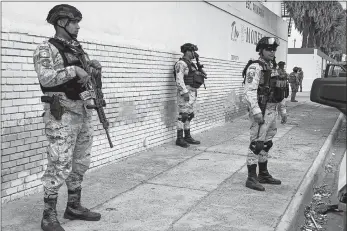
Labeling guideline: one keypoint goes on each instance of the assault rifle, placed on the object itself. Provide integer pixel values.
(264, 95)
(200, 67)
(266, 91)
(94, 92)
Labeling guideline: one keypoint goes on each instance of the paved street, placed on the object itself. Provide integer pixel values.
(200, 188)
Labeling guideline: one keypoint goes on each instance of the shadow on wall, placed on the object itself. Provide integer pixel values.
(169, 113)
(233, 106)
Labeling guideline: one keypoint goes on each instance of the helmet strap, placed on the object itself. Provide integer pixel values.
(64, 27)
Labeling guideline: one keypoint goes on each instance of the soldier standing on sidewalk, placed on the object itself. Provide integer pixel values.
(294, 83)
(186, 75)
(281, 71)
(263, 103)
(68, 124)
(301, 77)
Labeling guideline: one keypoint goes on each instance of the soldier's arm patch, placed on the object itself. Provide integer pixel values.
(44, 53)
(179, 68)
(46, 63)
(250, 75)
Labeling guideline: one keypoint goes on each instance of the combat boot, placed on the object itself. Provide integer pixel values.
(49, 220)
(188, 138)
(180, 140)
(75, 211)
(293, 97)
(252, 180)
(264, 176)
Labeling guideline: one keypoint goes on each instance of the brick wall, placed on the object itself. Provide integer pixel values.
(140, 94)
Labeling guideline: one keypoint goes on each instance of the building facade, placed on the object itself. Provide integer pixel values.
(137, 43)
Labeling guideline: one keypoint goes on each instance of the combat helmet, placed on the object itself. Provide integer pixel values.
(281, 63)
(266, 42)
(188, 47)
(63, 11)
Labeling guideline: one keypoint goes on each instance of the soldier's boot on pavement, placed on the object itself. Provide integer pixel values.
(75, 211)
(49, 220)
(180, 140)
(293, 97)
(264, 176)
(188, 138)
(252, 180)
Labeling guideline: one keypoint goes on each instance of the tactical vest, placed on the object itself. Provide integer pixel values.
(292, 77)
(271, 87)
(194, 77)
(71, 88)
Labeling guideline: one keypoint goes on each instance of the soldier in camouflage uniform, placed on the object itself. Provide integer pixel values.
(283, 75)
(184, 71)
(264, 101)
(68, 124)
(300, 77)
(281, 71)
(294, 83)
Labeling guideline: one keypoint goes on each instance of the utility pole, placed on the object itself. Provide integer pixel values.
(294, 42)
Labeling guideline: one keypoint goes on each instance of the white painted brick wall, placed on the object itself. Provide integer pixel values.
(140, 93)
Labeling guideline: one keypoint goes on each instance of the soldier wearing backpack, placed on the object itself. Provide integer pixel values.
(188, 79)
(294, 83)
(264, 93)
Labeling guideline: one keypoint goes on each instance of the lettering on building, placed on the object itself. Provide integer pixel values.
(255, 8)
(234, 57)
(253, 36)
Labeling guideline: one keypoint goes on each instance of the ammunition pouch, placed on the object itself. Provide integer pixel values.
(198, 79)
(56, 109)
(262, 100)
(267, 145)
(272, 89)
(256, 146)
(183, 117)
(279, 88)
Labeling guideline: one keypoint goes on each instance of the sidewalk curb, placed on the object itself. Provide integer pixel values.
(289, 220)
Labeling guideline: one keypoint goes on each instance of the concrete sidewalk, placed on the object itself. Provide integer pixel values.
(199, 188)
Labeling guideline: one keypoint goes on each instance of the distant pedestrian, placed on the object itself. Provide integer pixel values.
(294, 83)
(301, 77)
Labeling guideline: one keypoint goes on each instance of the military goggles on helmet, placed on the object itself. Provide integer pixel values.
(272, 41)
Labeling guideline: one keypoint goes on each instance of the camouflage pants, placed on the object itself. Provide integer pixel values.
(266, 133)
(294, 87)
(70, 142)
(186, 107)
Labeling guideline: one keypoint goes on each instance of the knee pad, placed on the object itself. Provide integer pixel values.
(191, 116)
(256, 146)
(267, 145)
(183, 117)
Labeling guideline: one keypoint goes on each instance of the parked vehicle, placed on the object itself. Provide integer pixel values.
(331, 91)
(336, 70)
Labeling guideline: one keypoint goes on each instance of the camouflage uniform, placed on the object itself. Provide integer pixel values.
(300, 77)
(264, 92)
(282, 73)
(267, 130)
(69, 131)
(294, 84)
(184, 106)
(70, 139)
(185, 72)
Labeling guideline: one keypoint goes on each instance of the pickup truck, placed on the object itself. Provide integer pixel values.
(331, 91)
(335, 70)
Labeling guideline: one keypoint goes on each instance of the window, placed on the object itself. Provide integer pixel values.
(336, 71)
